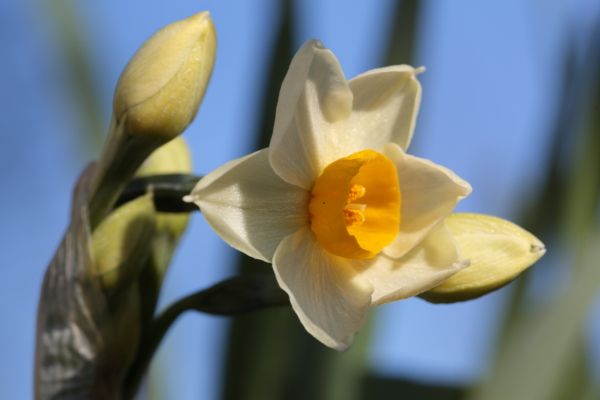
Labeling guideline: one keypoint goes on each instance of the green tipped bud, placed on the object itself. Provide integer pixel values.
(161, 88)
(120, 243)
(498, 251)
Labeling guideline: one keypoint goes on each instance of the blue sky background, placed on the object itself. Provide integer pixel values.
(493, 70)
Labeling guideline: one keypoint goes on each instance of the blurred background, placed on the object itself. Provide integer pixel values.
(511, 102)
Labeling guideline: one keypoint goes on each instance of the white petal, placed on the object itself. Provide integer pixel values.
(314, 100)
(327, 294)
(429, 192)
(432, 261)
(386, 103)
(249, 206)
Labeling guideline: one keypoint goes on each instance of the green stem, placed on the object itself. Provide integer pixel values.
(167, 190)
(231, 297)
(121, 157)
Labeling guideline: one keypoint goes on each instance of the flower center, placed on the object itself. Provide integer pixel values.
(355, 205)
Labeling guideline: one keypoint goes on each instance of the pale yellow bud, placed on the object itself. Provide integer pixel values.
(498, 251)
(120, 243)
(161, 88)
(171, 158)
(157, 97)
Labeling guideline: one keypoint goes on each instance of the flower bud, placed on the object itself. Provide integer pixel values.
(120, 243)
(498, 251)
(160, 90)
(171, 158)
(156, 98)
(119, 254)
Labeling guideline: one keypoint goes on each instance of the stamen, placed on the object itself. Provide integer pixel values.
(354, 213)
(356, 192)
(354, 216)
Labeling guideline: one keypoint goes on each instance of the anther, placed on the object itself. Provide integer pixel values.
(353, 216)
(356, 192)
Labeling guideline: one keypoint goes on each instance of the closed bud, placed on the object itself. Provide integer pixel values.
(161, 88)
(119, 253)
(498, 251)
(157, 97)
(120, 243)
(171, 158)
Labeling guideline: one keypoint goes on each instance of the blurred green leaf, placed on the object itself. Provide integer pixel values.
(84, 87)
(404, 32)
(542, 353)
(541, 346)
(578, 382)
(378, 387)
(583, 187)
(233, 296)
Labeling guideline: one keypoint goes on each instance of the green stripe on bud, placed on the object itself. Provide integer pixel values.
(498, 251)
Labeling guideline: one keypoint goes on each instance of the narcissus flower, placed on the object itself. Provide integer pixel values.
(346, 217)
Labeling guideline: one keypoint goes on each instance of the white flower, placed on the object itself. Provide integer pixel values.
(346, 217)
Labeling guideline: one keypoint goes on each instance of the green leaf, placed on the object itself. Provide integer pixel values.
(539, 349)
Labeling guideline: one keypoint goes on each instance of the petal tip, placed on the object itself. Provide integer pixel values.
(343, 346)
(538, 249)
(317, 44)
(467, 188)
